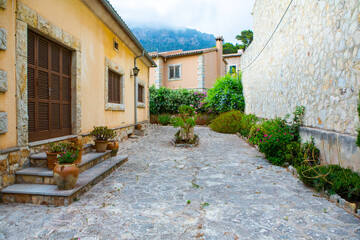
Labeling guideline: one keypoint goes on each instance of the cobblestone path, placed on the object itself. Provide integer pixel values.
(223, 189)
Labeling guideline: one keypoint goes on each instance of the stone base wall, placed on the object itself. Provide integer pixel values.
(312, 60)
(335, 148)
(11, 162)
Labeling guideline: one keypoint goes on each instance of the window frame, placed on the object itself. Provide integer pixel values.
(117, 69)
(232, 66)
(174, 67)
(141, 96)
(144, 89)
(111, 80)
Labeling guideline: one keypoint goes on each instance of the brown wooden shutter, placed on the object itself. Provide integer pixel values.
(49, 88)
(114, 87)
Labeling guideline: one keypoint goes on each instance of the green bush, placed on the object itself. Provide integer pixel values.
(226, 95)
(164, 119)
(246, 123)
(229, 122)
(332, 178)
(164, 100)
(273, 145)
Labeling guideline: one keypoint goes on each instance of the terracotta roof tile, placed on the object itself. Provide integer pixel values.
(178, 53)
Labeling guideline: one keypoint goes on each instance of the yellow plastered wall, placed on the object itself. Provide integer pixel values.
(7, 63)
(96, 44)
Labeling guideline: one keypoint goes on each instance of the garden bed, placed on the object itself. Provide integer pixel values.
(179, 143)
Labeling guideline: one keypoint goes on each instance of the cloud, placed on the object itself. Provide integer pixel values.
(226, 17)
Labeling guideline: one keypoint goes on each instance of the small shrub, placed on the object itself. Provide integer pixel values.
(229, 122)
(186, 122)
(332, 178)
(204, 118)
(256, 134)
(164, 119)
(274, 146)
(247, 122)
(226, 94)
(310, 151)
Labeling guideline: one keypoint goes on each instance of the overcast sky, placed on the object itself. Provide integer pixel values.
(226, 17)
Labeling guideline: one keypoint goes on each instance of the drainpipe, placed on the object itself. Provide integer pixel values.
(135, 86)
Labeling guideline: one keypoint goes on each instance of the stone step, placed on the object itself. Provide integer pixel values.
(39, 159)
(42, 175)
(43, 194)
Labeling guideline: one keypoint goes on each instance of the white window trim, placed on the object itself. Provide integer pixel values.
(231, 67)
(115, 68)
(141, 83)
(168, 69)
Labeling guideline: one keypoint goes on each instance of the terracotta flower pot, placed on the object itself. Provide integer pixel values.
(101, 145)
(114, 147)
(65, 176)
(51, 159)
(78, 160)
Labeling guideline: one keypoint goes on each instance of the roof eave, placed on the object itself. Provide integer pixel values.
(124, 34)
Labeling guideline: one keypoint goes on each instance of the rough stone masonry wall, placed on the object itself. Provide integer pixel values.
(312, 60)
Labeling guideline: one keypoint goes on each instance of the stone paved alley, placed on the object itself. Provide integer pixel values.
(223, 189)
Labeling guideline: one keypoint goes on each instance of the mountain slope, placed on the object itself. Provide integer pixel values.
(166, 39)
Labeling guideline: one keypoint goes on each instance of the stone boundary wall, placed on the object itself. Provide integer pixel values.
(312, 60)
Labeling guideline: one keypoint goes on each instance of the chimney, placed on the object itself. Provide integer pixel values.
(241, 51)
(220, 65)
(219, 44)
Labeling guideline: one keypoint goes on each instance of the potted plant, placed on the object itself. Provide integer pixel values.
(186, 122)
(76, 145)
(102, 136)
(66, 172)
(114, 147)
(54, 150)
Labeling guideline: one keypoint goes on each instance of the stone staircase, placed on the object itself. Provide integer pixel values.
(36, 185)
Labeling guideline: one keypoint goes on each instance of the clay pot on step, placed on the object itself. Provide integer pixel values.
(101, 145)
(114, 147)
(78, 159)
(66, 176)
(51, 159)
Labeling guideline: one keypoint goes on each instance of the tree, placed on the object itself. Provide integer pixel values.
(246, 38)
(229, 48)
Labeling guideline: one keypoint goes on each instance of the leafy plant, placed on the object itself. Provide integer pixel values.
(310, 151)
(57, 147)
(247, 122)
(164, 100)
(274, 146)
(74, 145)
(186, 121)
(102, 133)
(68, 157)
(226, 94)
(332, 178)
(164, 119)
(229, 122)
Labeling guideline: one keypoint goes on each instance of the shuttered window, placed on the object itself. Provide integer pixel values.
(49, 89)
(174, 72)
(114, 87)
(141, 97)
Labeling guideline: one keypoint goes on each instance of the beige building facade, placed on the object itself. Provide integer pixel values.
(196, 69)
(64, 71)
(233, 62)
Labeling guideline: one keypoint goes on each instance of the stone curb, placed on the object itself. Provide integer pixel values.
(185, 145)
